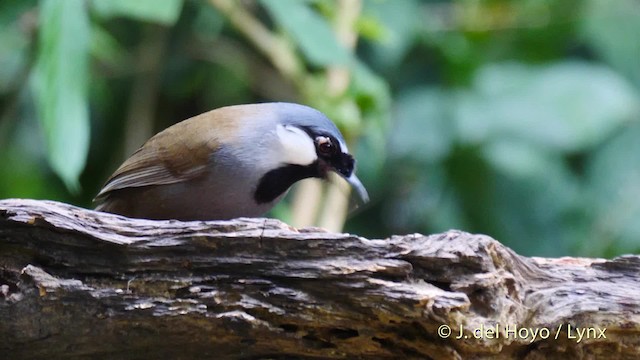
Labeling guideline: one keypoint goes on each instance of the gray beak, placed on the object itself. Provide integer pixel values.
(358, 187)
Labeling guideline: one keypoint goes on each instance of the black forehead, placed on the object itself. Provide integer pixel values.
(310, 120)
(343, 163)
(314, 132)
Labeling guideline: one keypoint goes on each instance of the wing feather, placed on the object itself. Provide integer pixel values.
(182, 151)
(166, 159)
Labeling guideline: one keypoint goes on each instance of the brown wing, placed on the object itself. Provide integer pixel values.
(179, 153)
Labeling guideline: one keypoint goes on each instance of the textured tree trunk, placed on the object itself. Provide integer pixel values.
(76, 283)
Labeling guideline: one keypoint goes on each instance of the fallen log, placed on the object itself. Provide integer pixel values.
(76, 283)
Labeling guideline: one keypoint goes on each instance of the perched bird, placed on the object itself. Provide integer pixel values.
(230, 162)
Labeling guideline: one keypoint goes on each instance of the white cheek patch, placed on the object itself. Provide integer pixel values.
(343, 147)
(296, 146)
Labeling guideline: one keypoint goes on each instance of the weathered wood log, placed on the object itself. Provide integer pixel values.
(76, 283)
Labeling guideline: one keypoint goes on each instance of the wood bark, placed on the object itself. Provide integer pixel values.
(76, 283)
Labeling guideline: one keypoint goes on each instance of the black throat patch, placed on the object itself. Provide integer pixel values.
(276, 182)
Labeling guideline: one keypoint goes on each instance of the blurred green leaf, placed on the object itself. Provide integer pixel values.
(422, 199)
(423, 125)
(370, 90)
(13, 46)
(165, 12)
(60, 86)
(534, 215)
(14, 42)
(534, 197)
(394, 30)
(614, 32)
(11, 10)
(105, 47)
(209, 22)
(613, 175)
(567, 106)
(373, 97)
(371, 28)
(310, 31)
(21, 162)
(519, 159)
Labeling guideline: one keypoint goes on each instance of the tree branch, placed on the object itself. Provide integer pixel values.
(88, 284)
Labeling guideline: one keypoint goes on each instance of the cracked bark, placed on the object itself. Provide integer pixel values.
(76, 283)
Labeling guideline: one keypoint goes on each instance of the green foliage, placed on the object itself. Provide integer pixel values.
(393, 26)
(60, 86)
(164, 12)
(310, 31)
(613, 33)
(613, 180)
(567, 106)
(13, 44)
(523, 123)
(518, 119)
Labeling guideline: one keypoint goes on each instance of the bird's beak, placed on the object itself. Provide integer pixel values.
(356, 184)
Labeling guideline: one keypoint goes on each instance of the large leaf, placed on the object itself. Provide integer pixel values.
(399, 21)
(164, 12)
(60, 84)
(423, 125)
(422, 200)
(21, 166)
(105, 48)
(534, 198)
(310, 31)
(567, 106)
(373, 96)
(14, 42)
(614, 179)
(370, 90)
(612, 28)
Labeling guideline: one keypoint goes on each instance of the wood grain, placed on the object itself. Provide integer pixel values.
(76, 283)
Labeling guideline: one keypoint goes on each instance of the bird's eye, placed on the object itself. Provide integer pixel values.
(325, 147)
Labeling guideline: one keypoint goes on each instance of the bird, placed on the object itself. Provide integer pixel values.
(234, 161)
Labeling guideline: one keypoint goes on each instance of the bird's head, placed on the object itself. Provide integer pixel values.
(308, 145)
